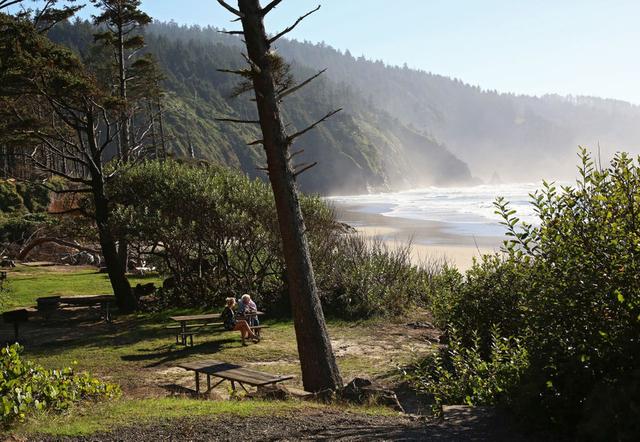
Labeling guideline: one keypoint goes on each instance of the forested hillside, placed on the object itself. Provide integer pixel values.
(520, 137)
(361, 148)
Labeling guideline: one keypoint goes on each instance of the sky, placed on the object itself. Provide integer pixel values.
(577, 47)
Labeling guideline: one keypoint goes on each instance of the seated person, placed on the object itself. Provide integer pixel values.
(247, 306)
(230, 322)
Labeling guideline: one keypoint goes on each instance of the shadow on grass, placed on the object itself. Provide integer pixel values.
(168, 353)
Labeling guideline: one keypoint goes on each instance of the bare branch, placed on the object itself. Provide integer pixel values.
(292, 27)
(270, 6)
(295, 153)
(232, 32)
(301, 85)
(255, 143)
(304, 131)
(305, 168)
(241, 72)
(230, 8)
(233, 120)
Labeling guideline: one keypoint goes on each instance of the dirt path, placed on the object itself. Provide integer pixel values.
(459, 425)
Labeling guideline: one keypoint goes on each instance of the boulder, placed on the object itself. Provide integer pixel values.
(363, 391)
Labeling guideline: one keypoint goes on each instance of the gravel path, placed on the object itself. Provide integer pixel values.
(460, 425)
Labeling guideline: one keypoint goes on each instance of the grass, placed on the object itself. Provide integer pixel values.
(94, 418)
(26, 284)
(140, 355)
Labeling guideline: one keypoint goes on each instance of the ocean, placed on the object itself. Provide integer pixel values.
(459, 210)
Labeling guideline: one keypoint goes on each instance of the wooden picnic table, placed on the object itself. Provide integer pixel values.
(232, 373)
(186, 328)
(183, 333)
(104, 301)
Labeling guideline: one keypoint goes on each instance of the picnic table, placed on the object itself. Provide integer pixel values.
(187, 328)
(104, 301)
(232, 373)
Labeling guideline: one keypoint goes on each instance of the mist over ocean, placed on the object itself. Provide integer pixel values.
(461, 210)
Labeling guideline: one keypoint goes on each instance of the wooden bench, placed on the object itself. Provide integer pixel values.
(256, 329)
(186, 328)
(185, 333)
(232, 373)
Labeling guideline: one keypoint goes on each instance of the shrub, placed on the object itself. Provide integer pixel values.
(461, 373)
(570, 290)
(366, 277)
(215, 231)
(26, 387)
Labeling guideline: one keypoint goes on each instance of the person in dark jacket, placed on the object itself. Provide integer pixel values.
(230, 322)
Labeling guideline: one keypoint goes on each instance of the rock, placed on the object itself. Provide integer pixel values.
(169, 283)
(353, 392)
(141, 290)
(271, 392)
(363, 391)
(419, 324)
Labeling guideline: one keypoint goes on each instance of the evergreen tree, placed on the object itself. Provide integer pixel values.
(65, 128)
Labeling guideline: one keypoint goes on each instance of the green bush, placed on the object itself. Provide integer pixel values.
(366, 278)
(216, 232)
(460, 373)
(26, 387)
(569, 289)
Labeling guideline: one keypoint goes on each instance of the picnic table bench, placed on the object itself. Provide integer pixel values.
(232, 373)
(186, 328)
(189, 325)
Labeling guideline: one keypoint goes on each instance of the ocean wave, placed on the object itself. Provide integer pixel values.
(459, 205)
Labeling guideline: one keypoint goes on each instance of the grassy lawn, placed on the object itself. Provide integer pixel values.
(30, 283)
(86, 420)
(139, 353)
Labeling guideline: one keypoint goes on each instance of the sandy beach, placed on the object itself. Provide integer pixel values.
(431, 240)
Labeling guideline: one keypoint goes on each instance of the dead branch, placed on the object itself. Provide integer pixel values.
(295, 153)
(270, 6)
(45, 239)
(301, 85)
(255, 143)
(305, 168)
(231, 32)
(233, 120)
(321, 120)
(230, 8)
(292, 27)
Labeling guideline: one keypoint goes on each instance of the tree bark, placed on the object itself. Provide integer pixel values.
(125, 299)
(319, 368)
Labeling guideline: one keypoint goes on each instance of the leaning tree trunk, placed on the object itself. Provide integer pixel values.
(125, 299)
(319, 368)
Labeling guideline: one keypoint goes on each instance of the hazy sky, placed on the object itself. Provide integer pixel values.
(585, 47)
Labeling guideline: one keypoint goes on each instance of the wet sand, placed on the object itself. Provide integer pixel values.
(431, 240)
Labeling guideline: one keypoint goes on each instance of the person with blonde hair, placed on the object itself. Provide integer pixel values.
(230, 322)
